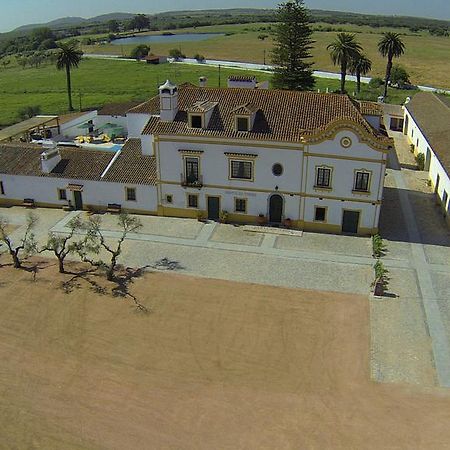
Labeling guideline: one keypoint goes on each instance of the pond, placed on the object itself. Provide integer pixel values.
(162, 38)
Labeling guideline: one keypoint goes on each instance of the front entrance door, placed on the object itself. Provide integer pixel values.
(213, 208)
(350, 221)
(78, 199)
(275, 208)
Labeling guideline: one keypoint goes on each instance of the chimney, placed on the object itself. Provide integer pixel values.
(50, 157)
(168, 100)
(202, 81)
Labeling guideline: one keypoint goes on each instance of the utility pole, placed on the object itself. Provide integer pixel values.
(219, 75)
(264, 56)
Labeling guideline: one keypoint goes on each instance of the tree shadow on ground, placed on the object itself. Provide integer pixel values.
(123, 279)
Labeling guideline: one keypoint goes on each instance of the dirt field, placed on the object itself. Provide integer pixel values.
(214, 365)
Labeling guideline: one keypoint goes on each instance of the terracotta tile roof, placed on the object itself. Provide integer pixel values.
(370, 108)
(117, 109)
(431, 112)
(202, 106)
(132, 166)
(282, 115)
(149, 107)
(248, 108)
(76, 163)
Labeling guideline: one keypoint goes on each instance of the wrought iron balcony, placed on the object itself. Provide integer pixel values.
(191, 181)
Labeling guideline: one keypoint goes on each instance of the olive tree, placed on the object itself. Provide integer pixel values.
(96, 241)
(26, 245)
(61, 245)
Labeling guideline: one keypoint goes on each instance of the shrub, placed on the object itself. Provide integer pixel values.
(378, 246)
(412, 148)
(176, 53)
(380, 275)
(399, 76)
(199, 57)
(376, 82)
(27, 112)
(140, 51)
(420, 160)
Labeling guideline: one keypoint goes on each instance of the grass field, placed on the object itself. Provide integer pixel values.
(265, 367)
(103, 81)
(427, 58)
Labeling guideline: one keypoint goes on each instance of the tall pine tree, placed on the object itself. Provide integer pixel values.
(293, 44)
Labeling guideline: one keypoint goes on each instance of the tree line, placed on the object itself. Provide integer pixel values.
(293, 44)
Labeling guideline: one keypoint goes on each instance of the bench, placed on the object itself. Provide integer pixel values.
(114, 208)
(28, 202)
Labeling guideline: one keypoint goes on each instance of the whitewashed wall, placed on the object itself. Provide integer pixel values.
(95, 193)
(136, 124)
(421, 144)
(214, 165)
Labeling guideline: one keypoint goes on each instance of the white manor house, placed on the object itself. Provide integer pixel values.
(316, 161)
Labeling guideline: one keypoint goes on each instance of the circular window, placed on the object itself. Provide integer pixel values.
(277, 169)
(346, 142)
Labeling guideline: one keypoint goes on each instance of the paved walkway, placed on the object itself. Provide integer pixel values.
(437, 330)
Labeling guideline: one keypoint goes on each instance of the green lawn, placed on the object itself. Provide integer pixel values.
(103, 81)
(427, 58)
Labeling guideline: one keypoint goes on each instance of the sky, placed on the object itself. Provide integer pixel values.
(22, 12)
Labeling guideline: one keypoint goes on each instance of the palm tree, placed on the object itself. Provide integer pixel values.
(342, 51)
(361, 65)
(69, 56)
(390, 46)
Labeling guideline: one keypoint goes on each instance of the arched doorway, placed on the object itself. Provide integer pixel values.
(275, 208)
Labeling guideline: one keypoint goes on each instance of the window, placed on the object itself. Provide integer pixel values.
(191, 169)
(243, 124)
(131, 194)
(362, 181)
(417, 142)
(323, 177)
(277, 169)
(169, 198)
(196, 121)
(444, 198)
(241, 170)
(2, 188)
(240, 205)
(62, 194)
(192, 201)
(319, 215)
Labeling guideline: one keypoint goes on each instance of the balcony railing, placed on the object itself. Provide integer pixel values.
(190, 181)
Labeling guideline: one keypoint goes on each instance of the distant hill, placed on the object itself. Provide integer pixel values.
(65, 22)
(235, 15)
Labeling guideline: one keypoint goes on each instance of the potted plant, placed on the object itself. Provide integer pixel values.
(287, 222)
(261, 220)
(223, 216)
